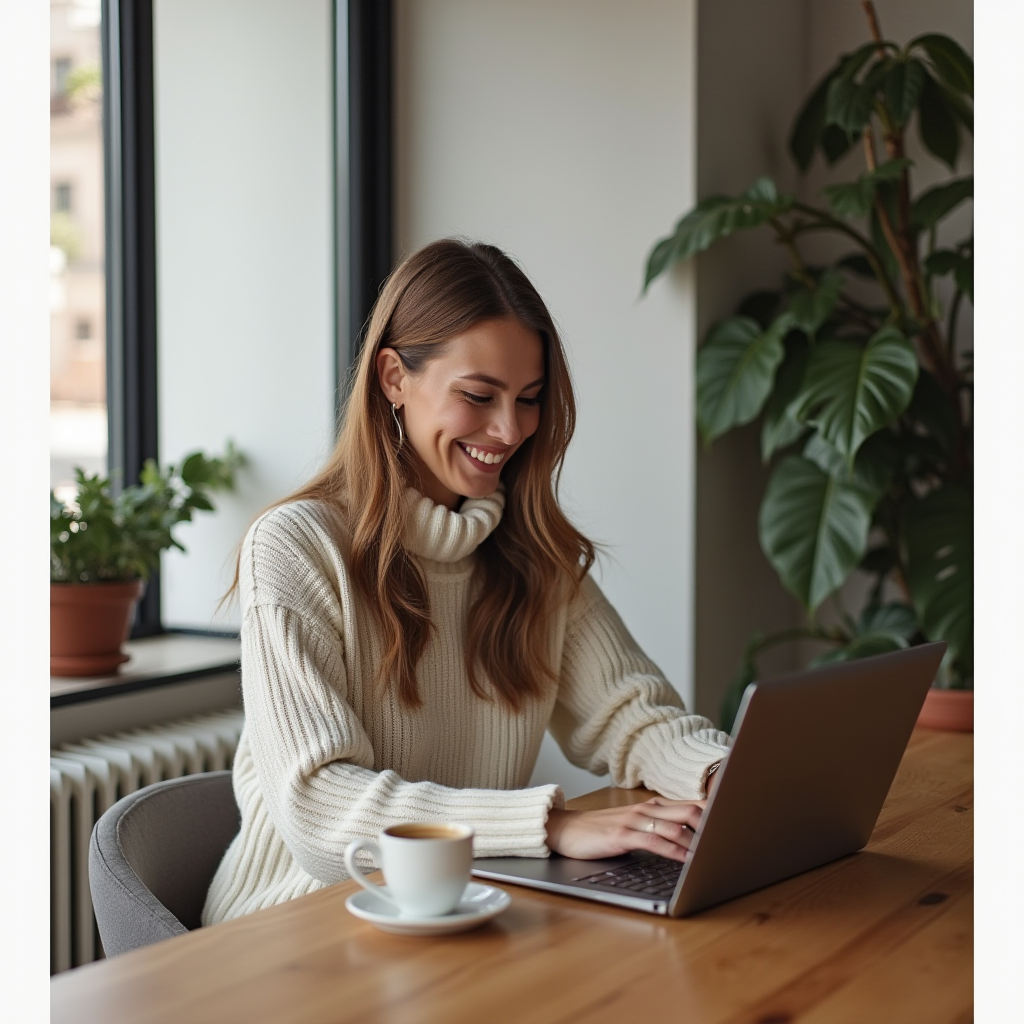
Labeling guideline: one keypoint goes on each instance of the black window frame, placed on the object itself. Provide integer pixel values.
(363, 195)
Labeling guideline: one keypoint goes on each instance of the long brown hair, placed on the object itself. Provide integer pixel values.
(535, 559)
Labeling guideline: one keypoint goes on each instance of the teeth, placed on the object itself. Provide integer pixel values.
(487, 458)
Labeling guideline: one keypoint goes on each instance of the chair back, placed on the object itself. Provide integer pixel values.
(153, 855)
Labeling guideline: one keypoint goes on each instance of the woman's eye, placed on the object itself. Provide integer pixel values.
(477, 399)
(531, 401)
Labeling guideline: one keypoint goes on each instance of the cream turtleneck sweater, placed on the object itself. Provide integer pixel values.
(326, 758)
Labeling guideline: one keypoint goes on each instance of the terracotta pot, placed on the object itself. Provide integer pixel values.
(948, 709)
(88, 624)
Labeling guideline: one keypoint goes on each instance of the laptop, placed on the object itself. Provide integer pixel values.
(812, 760)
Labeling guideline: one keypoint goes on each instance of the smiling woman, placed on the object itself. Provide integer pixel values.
(418, 614)
(476, 419)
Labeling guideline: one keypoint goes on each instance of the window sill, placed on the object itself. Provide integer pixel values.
(155, 661)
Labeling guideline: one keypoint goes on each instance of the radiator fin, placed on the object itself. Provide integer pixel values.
(87, 777)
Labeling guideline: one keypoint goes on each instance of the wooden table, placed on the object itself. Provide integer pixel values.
(885, 935)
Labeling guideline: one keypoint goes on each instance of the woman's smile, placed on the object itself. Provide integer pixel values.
(487, 457)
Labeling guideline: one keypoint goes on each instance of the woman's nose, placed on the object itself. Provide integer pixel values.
(504, 428)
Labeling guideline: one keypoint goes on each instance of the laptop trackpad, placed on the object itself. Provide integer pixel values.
(563, 870)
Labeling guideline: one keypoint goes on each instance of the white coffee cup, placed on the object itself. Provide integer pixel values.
(426, 866)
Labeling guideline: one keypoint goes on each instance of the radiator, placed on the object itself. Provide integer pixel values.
(87, 777)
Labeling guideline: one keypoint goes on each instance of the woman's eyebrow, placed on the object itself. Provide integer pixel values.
(483, 378)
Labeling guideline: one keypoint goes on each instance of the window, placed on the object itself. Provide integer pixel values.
(78, 412)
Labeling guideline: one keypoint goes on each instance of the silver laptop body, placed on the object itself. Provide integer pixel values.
(812, 760)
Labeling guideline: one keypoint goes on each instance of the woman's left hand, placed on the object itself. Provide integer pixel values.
(661, 826)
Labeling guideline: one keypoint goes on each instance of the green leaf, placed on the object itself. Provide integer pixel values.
(199, 500)
(931, 409)
(852, 390)
(960, 107)
(811, 307)
(813, 529)
(964, 276)
(735, 370)
(951, 62)
(854, 199)
(713, 219)
(193, 469)
(842, 92)
(895, 619)
(761, 306)
(849, 104)
(860, 647)
(903, 87)
(937, 124)
(835, 143)
(809, 124)
(873, 467)
(745, 674)
(940, 201)
(959, 264)
(939, 533)
(857, 263)
(781, 427)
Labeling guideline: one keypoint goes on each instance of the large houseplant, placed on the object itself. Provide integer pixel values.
(853, 366)
(104, 547)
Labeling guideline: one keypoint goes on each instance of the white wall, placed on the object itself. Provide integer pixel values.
(562, 131)
(243, 140)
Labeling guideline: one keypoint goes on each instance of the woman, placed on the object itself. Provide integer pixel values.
(417, 615)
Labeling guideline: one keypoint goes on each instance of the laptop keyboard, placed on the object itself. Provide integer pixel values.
(648, 876)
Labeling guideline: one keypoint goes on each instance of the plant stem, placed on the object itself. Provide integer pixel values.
(876, 30)
(786, 238)
(903, 245)
(797, 633)
(825, 221)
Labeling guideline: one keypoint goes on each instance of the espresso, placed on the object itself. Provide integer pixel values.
(424, 831)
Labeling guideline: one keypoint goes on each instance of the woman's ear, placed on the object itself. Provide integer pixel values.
(392, 376)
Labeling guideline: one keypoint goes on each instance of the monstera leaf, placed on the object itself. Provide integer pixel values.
(781, 427)
(852, 390)
(813, 529)
(874, 465)
(939, 531)
(714, 218)
(811, 307)
(735, 370)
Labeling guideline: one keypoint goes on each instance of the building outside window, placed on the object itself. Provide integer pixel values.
(62, 197)
(78, 411)
(61, 70)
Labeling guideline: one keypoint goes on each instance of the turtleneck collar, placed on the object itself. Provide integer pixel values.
(435, 532)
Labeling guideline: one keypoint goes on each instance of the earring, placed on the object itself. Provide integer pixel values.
(398, 423)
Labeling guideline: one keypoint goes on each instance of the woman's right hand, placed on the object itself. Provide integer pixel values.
(661, 826)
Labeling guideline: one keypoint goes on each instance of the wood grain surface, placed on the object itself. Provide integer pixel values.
(884, 935)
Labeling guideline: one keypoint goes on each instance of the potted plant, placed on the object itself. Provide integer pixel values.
(103, 548)
(853, 367)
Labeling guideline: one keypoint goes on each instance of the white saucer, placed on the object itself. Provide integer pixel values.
(479, 903)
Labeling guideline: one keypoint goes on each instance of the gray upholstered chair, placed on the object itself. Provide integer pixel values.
(153, 856)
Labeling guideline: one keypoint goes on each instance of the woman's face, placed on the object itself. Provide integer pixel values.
(470, 408)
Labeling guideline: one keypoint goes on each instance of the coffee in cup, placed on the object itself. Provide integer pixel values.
(426, 866)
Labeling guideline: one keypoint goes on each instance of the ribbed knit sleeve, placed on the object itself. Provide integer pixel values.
(316, 768)
(617, 713)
